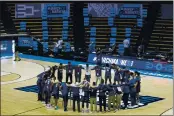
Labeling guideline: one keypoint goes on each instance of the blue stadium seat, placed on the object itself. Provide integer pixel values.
(45, 47)
(128, 30)
(112, 12)
(65, 18)
(86, 21)
(85, 11)
(92, 39)
(112, 41)
(45, 35)
(65, 23)
(127, 34)
(139, 22)
(113, 31)
(93, 31)
(35, 45)
(44, 25)
(23, 26)
(110, 21)
(144, 12)
(67, 47)
(64, 34)
(120, 49)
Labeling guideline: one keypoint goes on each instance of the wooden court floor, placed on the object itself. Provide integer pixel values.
(15, 102)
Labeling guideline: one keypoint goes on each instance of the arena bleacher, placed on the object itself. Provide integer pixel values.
(111, 30)
(46, 30)
(103, 31)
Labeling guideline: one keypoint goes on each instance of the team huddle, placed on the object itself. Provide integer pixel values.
(126, 86)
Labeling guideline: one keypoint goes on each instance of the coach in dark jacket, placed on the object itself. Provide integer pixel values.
(126, 92)
(102, 97)
(64, 89)
(78, 73)
(76, 97)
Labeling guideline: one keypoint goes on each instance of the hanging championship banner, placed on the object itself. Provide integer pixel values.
(28, 10)
(115, 10)
(57, 10)
(38, 10)
(129, 10)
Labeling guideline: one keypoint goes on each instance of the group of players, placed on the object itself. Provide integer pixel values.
(126, 86)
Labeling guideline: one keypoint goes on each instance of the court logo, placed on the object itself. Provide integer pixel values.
(3, 47)
(95, 59)
(159, 67)
(144, 100)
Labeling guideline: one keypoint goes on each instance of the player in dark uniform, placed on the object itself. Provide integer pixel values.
(53, 69)
(107, 73)
(64, 89)
(111, 92)
(39, 85)
(117, 77)
(98, 73)
(55, 93)
(85, 98)
(43, 80)
(118, 95)
(126, 93)
(132, 85)
(60, 72)
(69, 71)
(48, 90)
(78, 73)
(76, 97)
(102, 97)
(93, 94)
(138, 87)
(84, 94)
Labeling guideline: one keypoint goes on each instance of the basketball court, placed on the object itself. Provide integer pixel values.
(19, 97)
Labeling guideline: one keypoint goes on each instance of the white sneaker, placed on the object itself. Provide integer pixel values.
(82, 110)
(135, 106)
(49, 106)
(140, 104)
(116, 110)
(129, 106)
(87, 110)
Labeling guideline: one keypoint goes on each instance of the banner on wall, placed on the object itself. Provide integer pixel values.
(120, 10)
(6, 47)
(133, 63)
(25, 42)
(36, 10)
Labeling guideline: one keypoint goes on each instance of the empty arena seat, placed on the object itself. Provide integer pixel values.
(104, 24)
(53, 26)
(162, 35)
